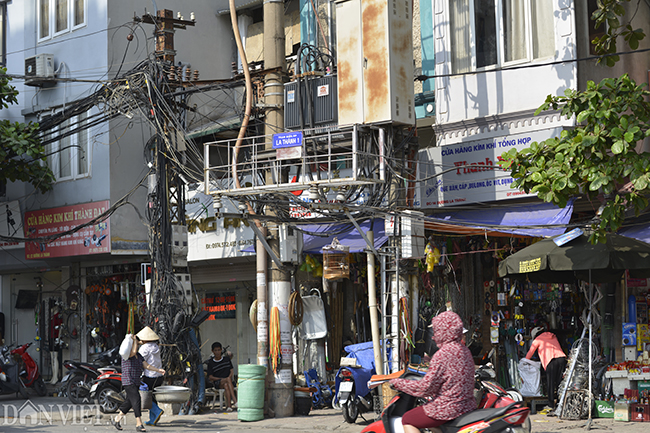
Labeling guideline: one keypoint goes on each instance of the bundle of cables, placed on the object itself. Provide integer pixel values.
(275, 354)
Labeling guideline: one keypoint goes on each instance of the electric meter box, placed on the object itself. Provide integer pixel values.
(290, 244)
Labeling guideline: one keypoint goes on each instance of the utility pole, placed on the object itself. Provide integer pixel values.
(280, 383)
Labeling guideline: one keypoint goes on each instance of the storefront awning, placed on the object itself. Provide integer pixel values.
(639, 232)
(317, 236)
(537, 220)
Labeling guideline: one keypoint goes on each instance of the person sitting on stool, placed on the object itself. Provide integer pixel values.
(220, 373)
(552, 357)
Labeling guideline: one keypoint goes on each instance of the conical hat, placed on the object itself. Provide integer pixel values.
(147, 334)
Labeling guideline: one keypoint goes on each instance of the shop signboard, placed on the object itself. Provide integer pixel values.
(210, 236)
(220, 305)
(11, 224)
(469, 172)
(90, 239)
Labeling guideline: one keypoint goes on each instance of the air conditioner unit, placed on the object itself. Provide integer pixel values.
(39, 70)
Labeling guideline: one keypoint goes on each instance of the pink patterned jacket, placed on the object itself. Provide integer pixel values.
(450, 379)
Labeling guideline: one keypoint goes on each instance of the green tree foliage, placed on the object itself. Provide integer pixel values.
(608, 15)
(598, 156)
(21, 153)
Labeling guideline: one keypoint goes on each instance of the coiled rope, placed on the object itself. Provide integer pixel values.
(296, 308)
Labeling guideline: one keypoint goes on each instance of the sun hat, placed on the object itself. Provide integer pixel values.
(147, 334)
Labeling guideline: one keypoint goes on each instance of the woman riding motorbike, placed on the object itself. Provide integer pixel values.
(449, 382)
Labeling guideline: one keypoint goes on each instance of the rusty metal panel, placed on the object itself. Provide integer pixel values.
(376, 72)
(350, 62)
(375, 61)
(400, 49)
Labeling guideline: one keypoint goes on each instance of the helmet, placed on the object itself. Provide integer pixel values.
(536, 331)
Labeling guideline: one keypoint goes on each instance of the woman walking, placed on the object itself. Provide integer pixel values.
(132, 369)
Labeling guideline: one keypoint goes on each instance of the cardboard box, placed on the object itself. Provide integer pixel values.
(621, 411)
(604, 409)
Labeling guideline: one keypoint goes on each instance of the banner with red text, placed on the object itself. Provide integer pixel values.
(93, 239)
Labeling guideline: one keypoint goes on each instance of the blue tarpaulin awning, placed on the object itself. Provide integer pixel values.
(317, 236)
(346, 234)
(537, 220)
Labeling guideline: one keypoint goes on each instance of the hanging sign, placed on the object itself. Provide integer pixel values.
(469, 172)
(221, 305)
(92, 239)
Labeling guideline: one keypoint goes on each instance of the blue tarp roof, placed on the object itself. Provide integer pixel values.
(348, 235)
(522, 219)
(638, 232)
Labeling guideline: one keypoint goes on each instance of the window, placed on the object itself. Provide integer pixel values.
(69, 157)
(594, 32)
(497, 32)
(56, 17)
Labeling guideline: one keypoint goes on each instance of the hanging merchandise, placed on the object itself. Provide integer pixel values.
(405, 330)
(275, 353)
(432, 256)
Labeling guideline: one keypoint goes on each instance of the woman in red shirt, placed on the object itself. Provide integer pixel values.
(449, 381)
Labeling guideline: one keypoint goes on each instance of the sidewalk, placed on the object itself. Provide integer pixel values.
(57, 414)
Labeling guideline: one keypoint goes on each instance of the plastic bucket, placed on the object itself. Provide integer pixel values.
(250, 392)
(146, 399)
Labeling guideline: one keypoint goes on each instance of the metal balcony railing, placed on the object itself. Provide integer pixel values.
(335, 156)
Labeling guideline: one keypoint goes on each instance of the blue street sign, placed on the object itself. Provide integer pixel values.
(287, 139)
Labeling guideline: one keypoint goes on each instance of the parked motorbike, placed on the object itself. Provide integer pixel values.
(81, 375)
(106, 390)
(489, 393)
(28, 369)
(10, 380)
(352, 392)
(508, 419)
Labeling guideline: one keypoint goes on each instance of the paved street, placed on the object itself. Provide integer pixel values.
(52, 414)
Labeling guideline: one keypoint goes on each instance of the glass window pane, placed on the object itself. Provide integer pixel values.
(44, 16)
(486, 33)
(65, 153)
(82, 146)
(79, 12)
(514, 29)
(461, 53)
(61, 15)
(52, 157)
(543, 33)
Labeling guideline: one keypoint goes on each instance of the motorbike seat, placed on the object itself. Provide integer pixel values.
(478, 415)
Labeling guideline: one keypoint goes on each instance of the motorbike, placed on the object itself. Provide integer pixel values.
(81, 375)
(106, 391)
(489, 393)
(510, 418)
(352, 393)
(28, 369)
(351, 390)
(10, 380)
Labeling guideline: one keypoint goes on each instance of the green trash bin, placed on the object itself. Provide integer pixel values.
(250, 392)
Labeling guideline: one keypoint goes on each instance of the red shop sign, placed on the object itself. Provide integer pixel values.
(92, 239)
